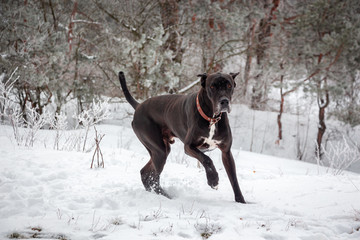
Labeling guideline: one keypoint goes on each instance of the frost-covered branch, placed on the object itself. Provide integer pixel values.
(59, 124)
(34, 123)
(96, 113)
(6, 103)
(340, 155)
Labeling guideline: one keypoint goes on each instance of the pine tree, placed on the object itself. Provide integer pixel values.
(321, 34)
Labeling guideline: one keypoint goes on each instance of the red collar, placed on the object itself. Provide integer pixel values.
(211, 120)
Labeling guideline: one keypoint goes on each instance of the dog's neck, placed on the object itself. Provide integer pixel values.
(205, 103)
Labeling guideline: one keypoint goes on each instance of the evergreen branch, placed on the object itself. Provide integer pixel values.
(105, 11)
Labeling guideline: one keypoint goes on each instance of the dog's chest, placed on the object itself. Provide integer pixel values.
(209, 143)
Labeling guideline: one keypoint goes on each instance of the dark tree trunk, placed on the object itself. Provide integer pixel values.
(23, 98)
(281, 110)
(263, 42)
(263, 36)
(249, 56)
(169, 10)
(322, 103)
(282, 101)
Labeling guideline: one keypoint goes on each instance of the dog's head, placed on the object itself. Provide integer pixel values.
(219, 87)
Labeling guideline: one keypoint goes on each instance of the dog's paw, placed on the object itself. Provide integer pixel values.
(213, 179)
(240, 199)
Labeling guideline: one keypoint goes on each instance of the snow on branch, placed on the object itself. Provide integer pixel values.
(340, 155)
(96, 113)
(34, 122)
(5, 91)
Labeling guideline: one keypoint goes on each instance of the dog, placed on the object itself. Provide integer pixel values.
(199, 120)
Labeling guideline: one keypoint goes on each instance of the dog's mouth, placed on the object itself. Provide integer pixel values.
(223, 106)
(220, 109)
(226, 109)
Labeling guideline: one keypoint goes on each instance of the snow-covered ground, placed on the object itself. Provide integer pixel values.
(55, 195)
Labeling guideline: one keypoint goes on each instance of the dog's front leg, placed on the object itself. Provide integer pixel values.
(229, 165)
(211, 173)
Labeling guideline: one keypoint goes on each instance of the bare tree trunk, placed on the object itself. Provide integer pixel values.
(322, 103)
(281, 110)
(301, 146)
(252, 131)
(53, 15)
(259, 91)
(282, 100)
(249, 57)
(204, 53)
(169, 10)
(262, 39)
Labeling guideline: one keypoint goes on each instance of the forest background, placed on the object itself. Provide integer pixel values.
(292, 55)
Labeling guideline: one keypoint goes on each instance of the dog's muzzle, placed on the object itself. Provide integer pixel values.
(224, 105)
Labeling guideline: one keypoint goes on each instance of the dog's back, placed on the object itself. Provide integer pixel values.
(167, 111)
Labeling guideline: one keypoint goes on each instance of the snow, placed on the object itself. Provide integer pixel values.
(55, 195)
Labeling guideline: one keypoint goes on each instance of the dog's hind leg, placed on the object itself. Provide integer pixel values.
(150, 173)
(146, 173)
(151, 137)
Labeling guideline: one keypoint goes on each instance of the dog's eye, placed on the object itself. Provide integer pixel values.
(212, 86)
(229, 85)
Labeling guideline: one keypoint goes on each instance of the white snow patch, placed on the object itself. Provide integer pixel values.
(57, 192)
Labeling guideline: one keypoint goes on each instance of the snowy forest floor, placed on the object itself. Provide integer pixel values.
(52, 194)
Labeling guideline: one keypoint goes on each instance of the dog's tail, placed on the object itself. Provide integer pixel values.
(128, 96)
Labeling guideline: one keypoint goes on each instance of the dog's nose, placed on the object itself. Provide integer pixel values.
(224, 102)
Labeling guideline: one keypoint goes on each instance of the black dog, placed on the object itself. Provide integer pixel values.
(199, 120)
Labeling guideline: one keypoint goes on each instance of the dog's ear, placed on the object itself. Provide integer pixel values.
(233, 75)
(203, 79)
